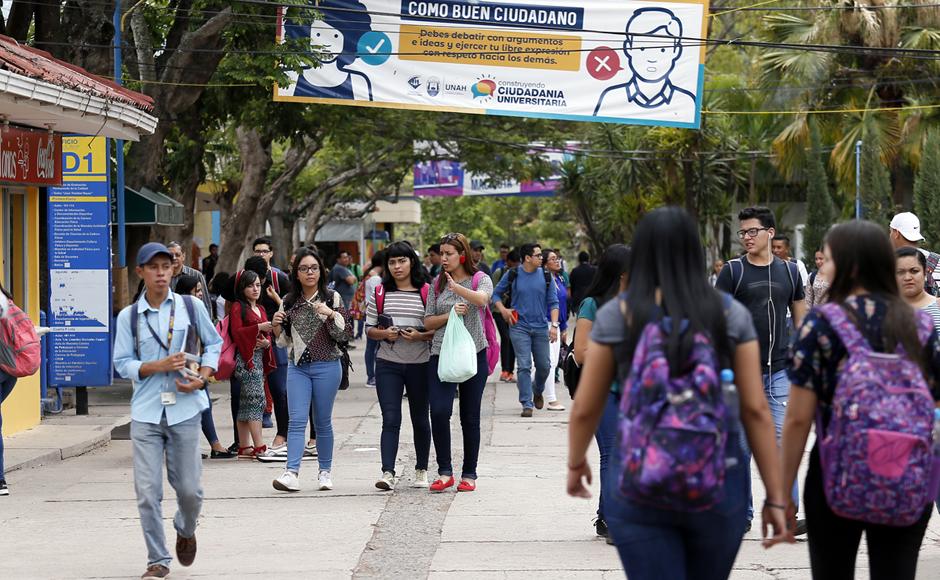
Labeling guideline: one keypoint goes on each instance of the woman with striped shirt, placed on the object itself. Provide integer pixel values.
(395, 319)
(911, 269)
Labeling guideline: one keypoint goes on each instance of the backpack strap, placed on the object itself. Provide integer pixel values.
(424, 293)
(736, 279)
(275, 282)
(190, 308)
(844, 328)
(135, 322)
(380, 299)
(794, 272)
(812, 277)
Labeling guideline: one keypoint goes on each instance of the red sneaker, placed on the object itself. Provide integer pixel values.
(441, 484)
(467, 485)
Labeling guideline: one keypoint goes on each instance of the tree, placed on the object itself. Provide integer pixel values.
(927, 189)
(877, 202)
(820, 213)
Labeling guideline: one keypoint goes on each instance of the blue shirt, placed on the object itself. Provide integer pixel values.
(146, 405)
(529, 296)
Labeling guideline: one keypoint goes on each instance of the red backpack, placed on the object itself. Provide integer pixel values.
(19, 344)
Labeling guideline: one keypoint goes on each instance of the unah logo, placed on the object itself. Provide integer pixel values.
(434, 86)
(414, 82)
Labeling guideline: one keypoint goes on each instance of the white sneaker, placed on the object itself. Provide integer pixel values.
(387, 483)
(310, 452)
(287, 482)
(326, 481)
(421, 478)
(554, 406)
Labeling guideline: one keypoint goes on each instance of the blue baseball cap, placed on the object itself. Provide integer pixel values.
(151, 250)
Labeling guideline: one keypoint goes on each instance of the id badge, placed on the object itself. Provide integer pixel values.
(168, 397)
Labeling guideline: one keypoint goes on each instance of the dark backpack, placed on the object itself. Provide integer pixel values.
(135, 318)
(506, 298)
(738, 276)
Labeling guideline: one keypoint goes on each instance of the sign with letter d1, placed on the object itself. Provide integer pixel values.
(80, 296)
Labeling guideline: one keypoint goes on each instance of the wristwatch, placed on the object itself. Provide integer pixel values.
(555, 325)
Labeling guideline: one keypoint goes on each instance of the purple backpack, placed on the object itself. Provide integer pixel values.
(876, 452)
(673, 430)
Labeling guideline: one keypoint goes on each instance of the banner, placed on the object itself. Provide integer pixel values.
(80, 266)
(614, 61)
(446, 178)
(30, 156)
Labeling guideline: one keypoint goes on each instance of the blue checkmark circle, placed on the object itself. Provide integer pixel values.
(374, 48)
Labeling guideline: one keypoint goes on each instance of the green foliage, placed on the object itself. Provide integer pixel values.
(927, 189)
(498, 220)
(877, 202)
(820, 213)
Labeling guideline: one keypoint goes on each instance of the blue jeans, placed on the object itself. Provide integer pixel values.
(180, 445)
(6, 387)
(659, 544)
(606, 437)
(529, 344)
(314, 384)
(777, 390)
(372, 348)
(441, 397)
(391, 379)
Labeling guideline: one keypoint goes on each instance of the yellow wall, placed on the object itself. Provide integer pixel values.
(21, 409)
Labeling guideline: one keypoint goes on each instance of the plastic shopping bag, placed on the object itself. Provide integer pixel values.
(458, 361)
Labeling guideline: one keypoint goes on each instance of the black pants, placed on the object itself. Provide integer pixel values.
(507, 356)
(833, 540)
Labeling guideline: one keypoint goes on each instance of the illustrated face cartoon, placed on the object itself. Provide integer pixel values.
(329, 39)
(652, 59)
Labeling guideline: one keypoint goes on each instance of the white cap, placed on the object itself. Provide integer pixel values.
(908, 225)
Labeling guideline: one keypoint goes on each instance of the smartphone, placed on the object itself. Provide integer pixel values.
(385, 321)
(514, 315)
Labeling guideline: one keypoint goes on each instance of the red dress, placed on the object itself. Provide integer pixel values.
(245, 335)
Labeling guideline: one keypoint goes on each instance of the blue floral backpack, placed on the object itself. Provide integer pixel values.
(673, 429)
(876, 456)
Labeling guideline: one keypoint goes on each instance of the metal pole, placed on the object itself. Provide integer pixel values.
(81, 400)
(119, 143)
(858, 179)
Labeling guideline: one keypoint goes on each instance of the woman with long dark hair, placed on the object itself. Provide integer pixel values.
(610, 279)
(911, 272)
(667, 280)
(551, 263)
(311, 324)
(461, 287)
(254, 359)
(866, 309)
(395, 320)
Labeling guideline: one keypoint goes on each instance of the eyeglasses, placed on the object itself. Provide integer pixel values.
(305, 269)
(262, 252)
(750, 232)
(539, 255)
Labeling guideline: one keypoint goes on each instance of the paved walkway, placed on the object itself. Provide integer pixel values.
(77, 518)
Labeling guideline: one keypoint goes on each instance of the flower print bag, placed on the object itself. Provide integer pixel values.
(875, 453)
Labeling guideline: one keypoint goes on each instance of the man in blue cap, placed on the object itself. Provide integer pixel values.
(168, 401)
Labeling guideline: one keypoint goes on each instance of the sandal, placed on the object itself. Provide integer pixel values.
(246, 452)
(467, 485)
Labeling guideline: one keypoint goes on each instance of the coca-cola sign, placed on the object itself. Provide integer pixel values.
(30, 156)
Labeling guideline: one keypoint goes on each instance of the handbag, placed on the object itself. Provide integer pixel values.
(458, 359)
(571, 369)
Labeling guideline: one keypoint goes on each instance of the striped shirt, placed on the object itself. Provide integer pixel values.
(933, 309)
(407, 311)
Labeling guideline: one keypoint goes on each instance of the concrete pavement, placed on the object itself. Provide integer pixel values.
(77, 518)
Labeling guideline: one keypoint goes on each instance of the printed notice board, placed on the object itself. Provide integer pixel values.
(615, 61)
(80, 295)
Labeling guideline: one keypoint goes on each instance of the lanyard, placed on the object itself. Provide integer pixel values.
(169, 335)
